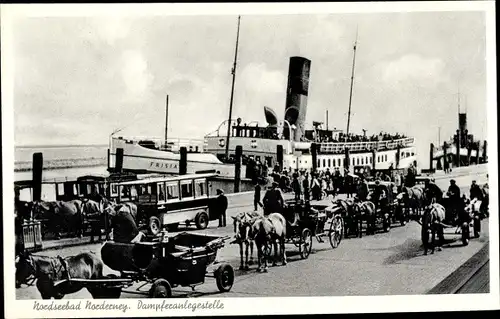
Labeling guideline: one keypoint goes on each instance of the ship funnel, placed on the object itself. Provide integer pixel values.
(462, 122)
(296, 98)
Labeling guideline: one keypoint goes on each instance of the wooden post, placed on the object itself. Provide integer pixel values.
(347, 161)
(445, 157)
(119, 160)
(431, 156)
(314, 155)
(398, 155)
(279, 156)
(237, 168)
(469, 153)
(183, 161)
(374, 159)
(37, 176)
(485, 148)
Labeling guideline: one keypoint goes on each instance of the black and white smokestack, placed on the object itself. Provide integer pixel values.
(462, 122)
(296, 97)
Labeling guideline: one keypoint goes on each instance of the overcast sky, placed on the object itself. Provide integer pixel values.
(78, 79)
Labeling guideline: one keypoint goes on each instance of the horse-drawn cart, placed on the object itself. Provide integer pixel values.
(183, 260)
(305, 220)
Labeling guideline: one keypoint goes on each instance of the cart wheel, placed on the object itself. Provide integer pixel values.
(336, 232)
(154, 225)
(224, 276)
(201, 220)
(160, 289)
(306, 243)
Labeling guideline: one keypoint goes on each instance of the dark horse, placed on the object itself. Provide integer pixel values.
(49, 270)
(97, 217)
(60, 216)
(432, 224)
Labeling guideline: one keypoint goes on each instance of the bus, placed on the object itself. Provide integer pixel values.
(168, 201)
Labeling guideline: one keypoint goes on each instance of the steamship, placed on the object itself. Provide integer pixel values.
(460, 150)
(288, 143)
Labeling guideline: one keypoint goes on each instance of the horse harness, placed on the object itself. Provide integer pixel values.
(64, 267)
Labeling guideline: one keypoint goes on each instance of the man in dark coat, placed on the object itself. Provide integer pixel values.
(124, 227)
(432, 191)
(273, 200)
(454, 197)
(306, 187)
(221, 207)
(475, 191)
(363, 190)
(297, 189)
(256, 197)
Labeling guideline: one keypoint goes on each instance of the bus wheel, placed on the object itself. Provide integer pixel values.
(154, 225)
(201, 220)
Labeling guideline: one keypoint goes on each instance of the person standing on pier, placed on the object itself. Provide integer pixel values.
(475, 191)
(221, 207)
(454, 197)
(256, 197)
(296, 187)
(305, 186)
(273, 200)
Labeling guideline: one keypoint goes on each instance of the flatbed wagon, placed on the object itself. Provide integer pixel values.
(184, 260)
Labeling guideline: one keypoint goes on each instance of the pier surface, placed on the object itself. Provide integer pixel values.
(383, 264)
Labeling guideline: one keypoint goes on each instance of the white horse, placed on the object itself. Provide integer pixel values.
(243, 235)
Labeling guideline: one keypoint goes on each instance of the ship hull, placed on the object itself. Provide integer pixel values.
(140, 159)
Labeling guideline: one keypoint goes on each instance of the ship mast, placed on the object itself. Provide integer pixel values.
(352, 82)
(233, 72)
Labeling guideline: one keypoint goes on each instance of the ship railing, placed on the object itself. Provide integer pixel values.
(172, 144)
(333, 147)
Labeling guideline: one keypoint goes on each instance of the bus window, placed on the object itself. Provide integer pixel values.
(114, 190)
(60, 189)
(200, 188)
(172, 191)
(186, 189)
(125, 193)
(161, 192)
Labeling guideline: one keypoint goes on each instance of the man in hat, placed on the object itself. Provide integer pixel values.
(454, 197)
(363, 190)
(475, 191)
(273, 200)
(221, 207)
(433, 193)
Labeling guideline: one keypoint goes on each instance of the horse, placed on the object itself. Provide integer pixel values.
(49, 270)
(60, 216)
(365, 210)
(243, 235)
(432, 220)
(413, 198)
(347, 211)
(267, 229)
(94, 211)
(112, 208)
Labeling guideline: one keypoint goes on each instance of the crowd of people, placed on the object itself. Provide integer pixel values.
(342, 138)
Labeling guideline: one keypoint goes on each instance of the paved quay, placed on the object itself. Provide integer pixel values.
(383, 264)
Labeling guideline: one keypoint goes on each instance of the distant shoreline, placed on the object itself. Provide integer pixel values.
(62, 164)
(59, 146)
